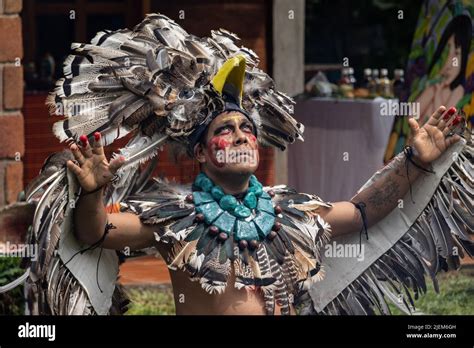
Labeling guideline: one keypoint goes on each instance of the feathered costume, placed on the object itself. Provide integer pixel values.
(162, 84)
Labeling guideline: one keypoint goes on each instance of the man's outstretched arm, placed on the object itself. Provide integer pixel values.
(93, 171)
(384, 195)
(90, 218)
(380, 198)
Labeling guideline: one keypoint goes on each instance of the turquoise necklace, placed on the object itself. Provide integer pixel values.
(249, 221)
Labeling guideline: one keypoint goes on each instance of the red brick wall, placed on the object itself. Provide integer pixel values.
(12, 145)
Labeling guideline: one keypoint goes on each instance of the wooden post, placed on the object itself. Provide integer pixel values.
(288, 61)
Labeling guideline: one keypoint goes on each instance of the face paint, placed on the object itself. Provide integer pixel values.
(220, 147)
(235, 118)
(217, 143)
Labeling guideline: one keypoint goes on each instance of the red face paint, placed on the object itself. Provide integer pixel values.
(219, 144)
(216, 144)
(222, 144)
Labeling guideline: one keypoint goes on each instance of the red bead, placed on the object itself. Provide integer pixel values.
(446, 117)
(189, 198)
(199, 217)
(272, 235)
(278, 210)
(276, 226)
(213, 230)
(223, 236)
(254, 244)
(83, 139)
(243, 244)
(271, 193)
(97, 136)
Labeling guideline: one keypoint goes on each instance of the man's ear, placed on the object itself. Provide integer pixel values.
(199, 153)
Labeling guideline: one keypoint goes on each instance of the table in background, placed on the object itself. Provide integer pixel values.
(334, 127)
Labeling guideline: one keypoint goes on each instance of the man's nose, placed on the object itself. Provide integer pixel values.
(240, 137)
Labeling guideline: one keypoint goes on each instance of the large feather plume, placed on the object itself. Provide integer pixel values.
(154, 80)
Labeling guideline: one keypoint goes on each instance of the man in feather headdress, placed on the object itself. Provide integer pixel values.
(232, 245)
(233, 131)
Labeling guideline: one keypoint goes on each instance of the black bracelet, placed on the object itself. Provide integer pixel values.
(408, 150)
(85, 193)
(361, 207)
(108, 226)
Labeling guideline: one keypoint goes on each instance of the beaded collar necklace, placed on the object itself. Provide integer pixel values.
(249, 222)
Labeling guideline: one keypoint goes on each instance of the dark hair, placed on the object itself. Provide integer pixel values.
(461, 28)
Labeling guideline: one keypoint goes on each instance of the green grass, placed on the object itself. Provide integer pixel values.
(456, 297)
(11, 303)
(151, 301)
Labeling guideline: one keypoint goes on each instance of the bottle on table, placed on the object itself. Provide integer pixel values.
(367, 78)
(384, 84)
(346, 88)
(352, 79)
(398, 83)
(344, 80)
(374, 86)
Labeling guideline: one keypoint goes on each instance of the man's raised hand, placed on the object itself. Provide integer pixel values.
(433, 138)
(92, 168)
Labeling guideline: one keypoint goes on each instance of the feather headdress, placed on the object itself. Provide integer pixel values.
(161, 83)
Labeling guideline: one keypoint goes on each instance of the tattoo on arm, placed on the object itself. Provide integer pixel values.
(400, 171)
(386, 195)
(390, 184)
